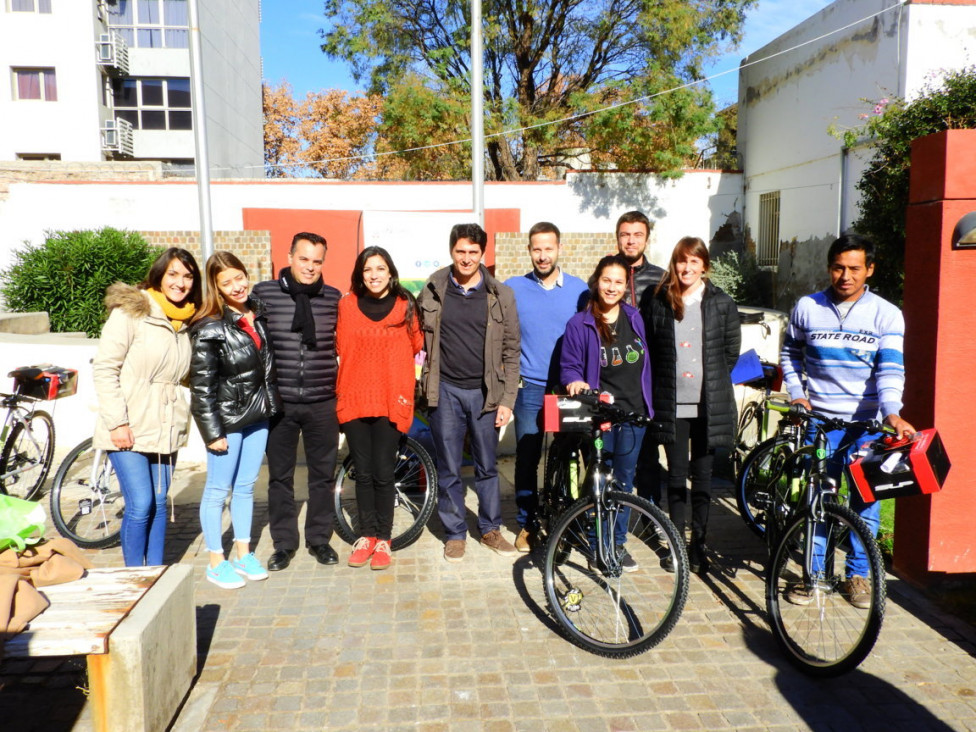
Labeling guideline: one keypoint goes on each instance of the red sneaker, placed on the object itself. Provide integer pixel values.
(362, 550)
(381, 555)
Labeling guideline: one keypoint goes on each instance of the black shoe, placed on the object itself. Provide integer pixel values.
(324, 554)
(697, 558)
(280, 559)
(667, 563)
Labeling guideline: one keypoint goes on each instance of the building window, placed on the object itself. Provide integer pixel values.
(151, 23)
(153, 104)
(30, 6)
(40, 84)
(768, 247)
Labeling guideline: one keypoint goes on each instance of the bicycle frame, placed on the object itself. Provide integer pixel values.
(17, 413)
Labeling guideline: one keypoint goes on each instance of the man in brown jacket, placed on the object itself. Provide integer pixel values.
(469, 383)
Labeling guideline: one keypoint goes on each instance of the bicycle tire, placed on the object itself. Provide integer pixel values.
(827, 636)
(747, 432)
(763, 486)
(605, 610)
(415, 479)
(557, 485)
(98, 524)
(29, 449)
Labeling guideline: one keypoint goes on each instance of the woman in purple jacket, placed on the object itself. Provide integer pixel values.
(604, 349)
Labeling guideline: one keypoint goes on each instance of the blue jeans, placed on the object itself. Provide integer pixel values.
(144, 479)
(237, 470)
(840, 445)
(528, 451)
(458, 412)
(622, 445)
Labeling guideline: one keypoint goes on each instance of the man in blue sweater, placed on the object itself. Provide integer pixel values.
(546, 298)
(848, 342)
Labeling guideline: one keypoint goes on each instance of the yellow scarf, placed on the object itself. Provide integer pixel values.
(177, 314)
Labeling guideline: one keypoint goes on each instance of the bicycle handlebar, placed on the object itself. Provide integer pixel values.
(607, 411)
(798, 411)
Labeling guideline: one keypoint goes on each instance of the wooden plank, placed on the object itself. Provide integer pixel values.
(83, 613)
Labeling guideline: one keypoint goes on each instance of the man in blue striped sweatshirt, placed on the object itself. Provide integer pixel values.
(848, 342)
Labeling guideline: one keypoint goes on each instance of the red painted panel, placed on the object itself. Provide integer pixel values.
(934, 533)
(343, 231)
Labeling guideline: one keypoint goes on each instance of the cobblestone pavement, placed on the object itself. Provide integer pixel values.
(435, 646)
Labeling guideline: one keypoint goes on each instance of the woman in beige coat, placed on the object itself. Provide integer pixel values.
(143, 419)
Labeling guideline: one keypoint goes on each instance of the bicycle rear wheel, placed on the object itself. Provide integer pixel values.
(416, 495)
(763, 490)
(811, 613)
(27, 455)
(747, 432)
(598, 605)
(86, 499)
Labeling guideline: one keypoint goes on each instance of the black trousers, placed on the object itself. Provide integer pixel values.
(373, 443)
(318, 427)
(699, 467)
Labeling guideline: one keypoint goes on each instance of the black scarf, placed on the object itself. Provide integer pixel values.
(303, 322)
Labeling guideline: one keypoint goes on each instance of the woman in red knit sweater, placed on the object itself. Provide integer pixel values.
(377, 338)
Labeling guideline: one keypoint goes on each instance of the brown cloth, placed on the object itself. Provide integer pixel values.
(48, 563)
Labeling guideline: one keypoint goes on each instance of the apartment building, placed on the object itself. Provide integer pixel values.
(97, 80)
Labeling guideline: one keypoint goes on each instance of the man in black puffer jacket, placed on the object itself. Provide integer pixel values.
(300, 318)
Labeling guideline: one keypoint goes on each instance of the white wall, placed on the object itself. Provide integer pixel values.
(788, 102)
(696, 204)
(65, 40)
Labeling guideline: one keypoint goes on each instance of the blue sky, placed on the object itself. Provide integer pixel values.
(290, 44)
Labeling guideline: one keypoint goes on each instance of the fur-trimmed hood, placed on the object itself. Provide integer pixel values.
(131, 300)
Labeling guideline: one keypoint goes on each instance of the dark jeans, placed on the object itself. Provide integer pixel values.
(458, 412)
(528, 450)
(647, 478)
(373, 443)
(319, 429)
(700, 468)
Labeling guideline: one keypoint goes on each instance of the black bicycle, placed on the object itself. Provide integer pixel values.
(415, 481)
(607, 587)
(826, 622)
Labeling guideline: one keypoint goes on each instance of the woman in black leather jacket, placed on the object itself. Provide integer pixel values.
(233, 394)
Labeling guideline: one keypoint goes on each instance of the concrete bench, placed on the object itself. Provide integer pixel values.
(137, 626)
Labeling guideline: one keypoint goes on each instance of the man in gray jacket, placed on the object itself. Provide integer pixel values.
(469, 383)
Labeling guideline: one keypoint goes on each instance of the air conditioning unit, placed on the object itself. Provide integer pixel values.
(117, 137)
(112, 53)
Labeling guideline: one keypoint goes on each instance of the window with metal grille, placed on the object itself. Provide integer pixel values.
(767, 247)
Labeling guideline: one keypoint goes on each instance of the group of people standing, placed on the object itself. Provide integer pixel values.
(294, 359)
(662, 342)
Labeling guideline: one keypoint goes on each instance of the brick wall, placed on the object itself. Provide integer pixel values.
(253, 248)
(42, 171)
(580, 253)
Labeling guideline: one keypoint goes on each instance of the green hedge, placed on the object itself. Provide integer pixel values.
(68, 274)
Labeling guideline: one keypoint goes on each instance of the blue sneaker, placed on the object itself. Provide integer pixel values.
(249, 567)
(224, 576)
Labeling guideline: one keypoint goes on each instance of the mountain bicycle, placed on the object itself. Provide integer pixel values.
(607, 589)
(28, 433)
(86, 498)
(809, 532)
(415, 482)
(754, 425)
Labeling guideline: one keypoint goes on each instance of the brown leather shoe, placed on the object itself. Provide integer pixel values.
(523, 542)
(454, 550)
(496, 542)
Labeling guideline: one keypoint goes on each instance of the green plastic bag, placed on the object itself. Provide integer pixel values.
(21, 522)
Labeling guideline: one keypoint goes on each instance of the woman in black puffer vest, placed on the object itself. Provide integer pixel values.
(233, 394)
(693, 335)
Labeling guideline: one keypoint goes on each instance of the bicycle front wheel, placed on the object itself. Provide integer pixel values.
(602, 602)
(415, 480)
(27, 455)
(810, 602)
(86, 499)
(763, 487)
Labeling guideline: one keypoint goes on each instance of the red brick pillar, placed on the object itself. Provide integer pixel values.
(936, 534)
